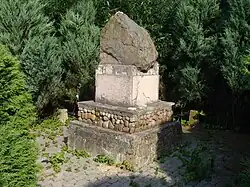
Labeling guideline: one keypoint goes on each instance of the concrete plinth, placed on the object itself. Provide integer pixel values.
(125, 85)
(139, 149)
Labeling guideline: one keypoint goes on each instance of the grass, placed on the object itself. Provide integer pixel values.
(199, 162)
(104, 159)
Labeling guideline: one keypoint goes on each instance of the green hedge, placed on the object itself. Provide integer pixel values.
(18, 152)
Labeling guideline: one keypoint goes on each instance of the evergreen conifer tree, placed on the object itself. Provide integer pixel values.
(28, 33)
(80, 41)
(236, 44)
(42, 65)
(18, 152)
(22, 20)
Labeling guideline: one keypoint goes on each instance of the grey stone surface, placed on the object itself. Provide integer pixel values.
(169, 172)
(123, 119)
(125, 85)
(139, 149)
(125, 42)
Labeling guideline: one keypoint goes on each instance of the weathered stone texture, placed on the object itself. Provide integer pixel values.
(127, 121)
(123, 119)
(139, 149)
(125, 85)
(125, 42)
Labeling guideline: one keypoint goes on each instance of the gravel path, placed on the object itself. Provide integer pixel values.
(78, 171)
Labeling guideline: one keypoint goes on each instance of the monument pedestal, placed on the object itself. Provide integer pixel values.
(133, 134)
(139, 149)
(125, 85)
(127, 121)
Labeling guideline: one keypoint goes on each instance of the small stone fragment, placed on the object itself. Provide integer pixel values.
(100, 122)
(132, 119)
(105, 118)
(125, 129)
(120, 127)
(132, 130)
(92, 117)
(111, 126)
(126, 123)
(105, 124)
(89, 121)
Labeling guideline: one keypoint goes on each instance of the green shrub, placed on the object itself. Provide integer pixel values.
(200, 165)
(42, 65)
(80, 42)
(28, 33)
(18, 152)
(21, 20)
(15, 101)
(201, 47)
(199, 162)
(18, 156)
(245, 174)
(104, 159)
(57, 160)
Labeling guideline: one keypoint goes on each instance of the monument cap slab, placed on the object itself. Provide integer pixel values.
(126, 43)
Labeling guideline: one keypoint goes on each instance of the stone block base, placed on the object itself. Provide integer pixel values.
(139, 149)
(125, 85)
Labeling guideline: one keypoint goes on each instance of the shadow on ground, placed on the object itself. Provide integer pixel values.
(132, 181)
(227, 148)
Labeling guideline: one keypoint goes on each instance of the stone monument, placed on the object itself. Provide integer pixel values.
(127, 121)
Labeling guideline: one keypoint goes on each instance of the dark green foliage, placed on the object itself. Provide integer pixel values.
(245, 174)
(27, 32)
(235, 43)
(104, 159)
(42, 61)
(18, 152)
(198, 162)
(202, 49)
(15, 101)
(80, 41)
(200, 165)
(57, 43)
(22, 20)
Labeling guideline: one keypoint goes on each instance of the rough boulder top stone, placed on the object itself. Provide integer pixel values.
(127, 121)
(128, 73)
(124, 42)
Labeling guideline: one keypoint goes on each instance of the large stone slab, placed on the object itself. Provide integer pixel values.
(139, 149)
(124, 42)
(125, 85)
